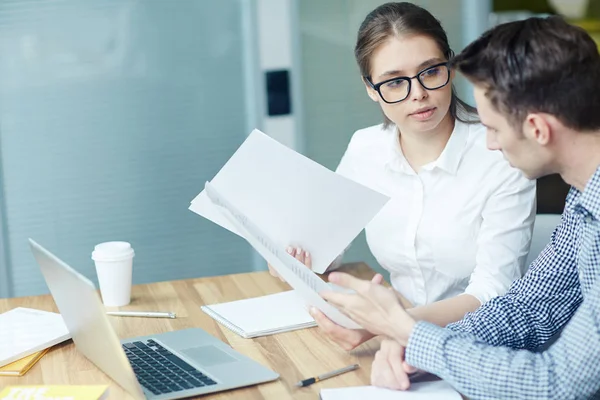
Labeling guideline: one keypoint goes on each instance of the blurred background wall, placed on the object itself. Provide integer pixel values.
(114, 112)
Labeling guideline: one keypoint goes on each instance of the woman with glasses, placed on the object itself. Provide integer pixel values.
(457, 228)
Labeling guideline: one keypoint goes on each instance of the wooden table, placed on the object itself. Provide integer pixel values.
(294, 355)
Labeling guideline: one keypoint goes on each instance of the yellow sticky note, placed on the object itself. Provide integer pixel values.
(55, 392)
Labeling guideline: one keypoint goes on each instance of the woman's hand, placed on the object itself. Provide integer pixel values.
(300, 255)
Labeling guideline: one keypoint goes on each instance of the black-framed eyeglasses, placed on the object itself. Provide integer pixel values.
(397, 89)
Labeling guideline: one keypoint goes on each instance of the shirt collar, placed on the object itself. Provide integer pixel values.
(447, 161)
(450, 158)
(590, 197)
(396, 160)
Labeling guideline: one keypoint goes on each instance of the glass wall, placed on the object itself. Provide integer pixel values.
(113, 114)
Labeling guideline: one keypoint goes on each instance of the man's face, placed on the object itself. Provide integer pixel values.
(520, 149)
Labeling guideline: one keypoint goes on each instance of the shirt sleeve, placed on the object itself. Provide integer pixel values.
(537, 305)
(504, 237)
(568, 370)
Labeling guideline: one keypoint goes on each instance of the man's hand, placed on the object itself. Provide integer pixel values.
(373, 306)
(347, 339)
(389, 369)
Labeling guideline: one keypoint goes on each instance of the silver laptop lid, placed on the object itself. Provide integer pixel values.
(85, 317)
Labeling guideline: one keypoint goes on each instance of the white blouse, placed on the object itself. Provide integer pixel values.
(463, 224)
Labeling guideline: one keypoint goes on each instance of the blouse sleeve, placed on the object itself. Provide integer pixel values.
(504, 237)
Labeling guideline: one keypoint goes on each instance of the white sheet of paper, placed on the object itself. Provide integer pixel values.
(294, 200)
(24, 331)
(306, 283)
(436, 390)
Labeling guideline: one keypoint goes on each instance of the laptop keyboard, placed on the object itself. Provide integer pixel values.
(160, 371)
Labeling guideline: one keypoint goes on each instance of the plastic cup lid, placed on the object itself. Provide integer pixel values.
(112, 251)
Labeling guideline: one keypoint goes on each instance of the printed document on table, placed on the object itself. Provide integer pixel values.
(436, 390)
(306, 283)
(24, 331)
(294, 200)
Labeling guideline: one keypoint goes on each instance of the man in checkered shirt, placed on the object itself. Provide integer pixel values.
(537, 89)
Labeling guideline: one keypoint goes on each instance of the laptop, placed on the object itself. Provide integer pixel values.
(170, 365)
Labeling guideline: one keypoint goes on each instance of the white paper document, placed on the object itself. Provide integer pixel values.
(264, 315)
(294, 200)
(436, 390)
(306, 283)
(24, 331)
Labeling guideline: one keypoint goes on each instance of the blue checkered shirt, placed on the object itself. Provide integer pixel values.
(488, 354)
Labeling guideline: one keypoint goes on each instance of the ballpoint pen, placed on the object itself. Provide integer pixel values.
(327, 375)
(149, 314)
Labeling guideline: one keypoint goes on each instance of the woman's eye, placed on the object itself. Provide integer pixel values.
(396, 83)
(432, 72)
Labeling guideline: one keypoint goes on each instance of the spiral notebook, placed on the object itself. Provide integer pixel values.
(261, 316)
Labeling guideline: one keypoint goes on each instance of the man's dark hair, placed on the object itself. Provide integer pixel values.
(537, 65)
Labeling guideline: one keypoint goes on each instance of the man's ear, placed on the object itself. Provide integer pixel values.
(370, 91)
(537, 127)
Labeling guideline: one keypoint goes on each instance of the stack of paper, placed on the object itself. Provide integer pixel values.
(292, 199)
(261, 316)
(26, 331)
(275, 198)
(303, 280)
(437, 390)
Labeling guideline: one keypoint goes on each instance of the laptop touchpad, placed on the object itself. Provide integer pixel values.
(208, 355)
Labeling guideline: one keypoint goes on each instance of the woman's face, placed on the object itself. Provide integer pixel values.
(423, 110)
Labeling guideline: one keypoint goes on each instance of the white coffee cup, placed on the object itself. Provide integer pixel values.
(114, 266)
